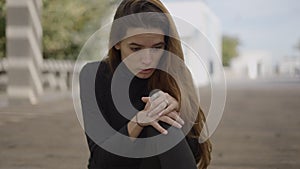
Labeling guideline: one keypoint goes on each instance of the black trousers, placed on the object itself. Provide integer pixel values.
(178, 157)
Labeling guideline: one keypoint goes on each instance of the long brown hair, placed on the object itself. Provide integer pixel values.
(180, 85)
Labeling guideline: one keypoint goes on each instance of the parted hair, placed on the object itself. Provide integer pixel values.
(180, 85)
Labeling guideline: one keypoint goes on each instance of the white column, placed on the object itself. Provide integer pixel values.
(24, 50)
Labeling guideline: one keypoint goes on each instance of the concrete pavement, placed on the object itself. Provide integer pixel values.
(259, 130)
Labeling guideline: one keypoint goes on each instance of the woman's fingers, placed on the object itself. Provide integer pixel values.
(161, 103)
(163, 99)
(168, 109)
(154, 94)
(170, 121)
(175, 115)
(155, 110)
(144, 119)
(147, 101)
(173, 104)
(155, 106)
(158, 98)
(158, 102)
(159, 128)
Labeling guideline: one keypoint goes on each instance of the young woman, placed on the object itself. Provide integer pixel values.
(161, 90)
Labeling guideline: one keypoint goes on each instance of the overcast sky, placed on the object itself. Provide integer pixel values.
(268, 25)
(261, 25)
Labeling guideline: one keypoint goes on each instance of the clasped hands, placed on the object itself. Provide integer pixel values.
(159, 107)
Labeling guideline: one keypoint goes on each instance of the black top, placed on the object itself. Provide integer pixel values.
(182, 156)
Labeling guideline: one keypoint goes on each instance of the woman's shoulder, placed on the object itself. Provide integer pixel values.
(104, 67)
(103, 72)
(100, 68)
(97, 72)
(103, 78)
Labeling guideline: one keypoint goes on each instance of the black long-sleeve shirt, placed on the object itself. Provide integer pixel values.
(96, 96)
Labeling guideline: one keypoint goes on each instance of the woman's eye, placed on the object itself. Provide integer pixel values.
(135, 49)
(158, 47)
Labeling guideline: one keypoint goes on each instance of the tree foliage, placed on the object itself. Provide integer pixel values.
(229, 48)
(67, 24)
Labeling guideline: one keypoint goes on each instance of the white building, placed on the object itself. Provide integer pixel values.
(252, 65)
(260, 64)
(289, 67)
(200, 32)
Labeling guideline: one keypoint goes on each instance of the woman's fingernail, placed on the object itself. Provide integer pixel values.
(165, 132)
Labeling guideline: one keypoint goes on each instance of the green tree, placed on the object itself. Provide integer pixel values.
(229, 48)
(2, 29)
(67, 24)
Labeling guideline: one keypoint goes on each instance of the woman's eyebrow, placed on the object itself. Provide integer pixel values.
(139, 45)
(135, 44)
(158, 44)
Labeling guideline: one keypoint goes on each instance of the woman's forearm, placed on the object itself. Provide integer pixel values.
(134, 129)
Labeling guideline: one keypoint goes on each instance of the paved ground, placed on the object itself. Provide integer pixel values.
(259, 130)
(260, 127)
(47, 136)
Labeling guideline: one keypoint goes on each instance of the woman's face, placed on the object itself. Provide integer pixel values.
(141, 53)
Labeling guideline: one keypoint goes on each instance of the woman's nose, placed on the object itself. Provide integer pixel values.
(147, 57)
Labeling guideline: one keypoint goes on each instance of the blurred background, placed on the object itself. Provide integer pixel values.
(255, 43)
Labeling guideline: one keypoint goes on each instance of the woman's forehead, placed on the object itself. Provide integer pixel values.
(139, 32)
(144, 37)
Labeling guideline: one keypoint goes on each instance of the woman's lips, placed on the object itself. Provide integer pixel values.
(146, 71)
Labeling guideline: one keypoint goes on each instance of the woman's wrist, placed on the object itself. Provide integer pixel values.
(134, 128)
(137, 121)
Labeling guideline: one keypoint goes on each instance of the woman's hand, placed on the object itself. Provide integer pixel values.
(162, 103)
(172, 117)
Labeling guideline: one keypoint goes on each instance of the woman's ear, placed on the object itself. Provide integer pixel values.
(117, 46)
